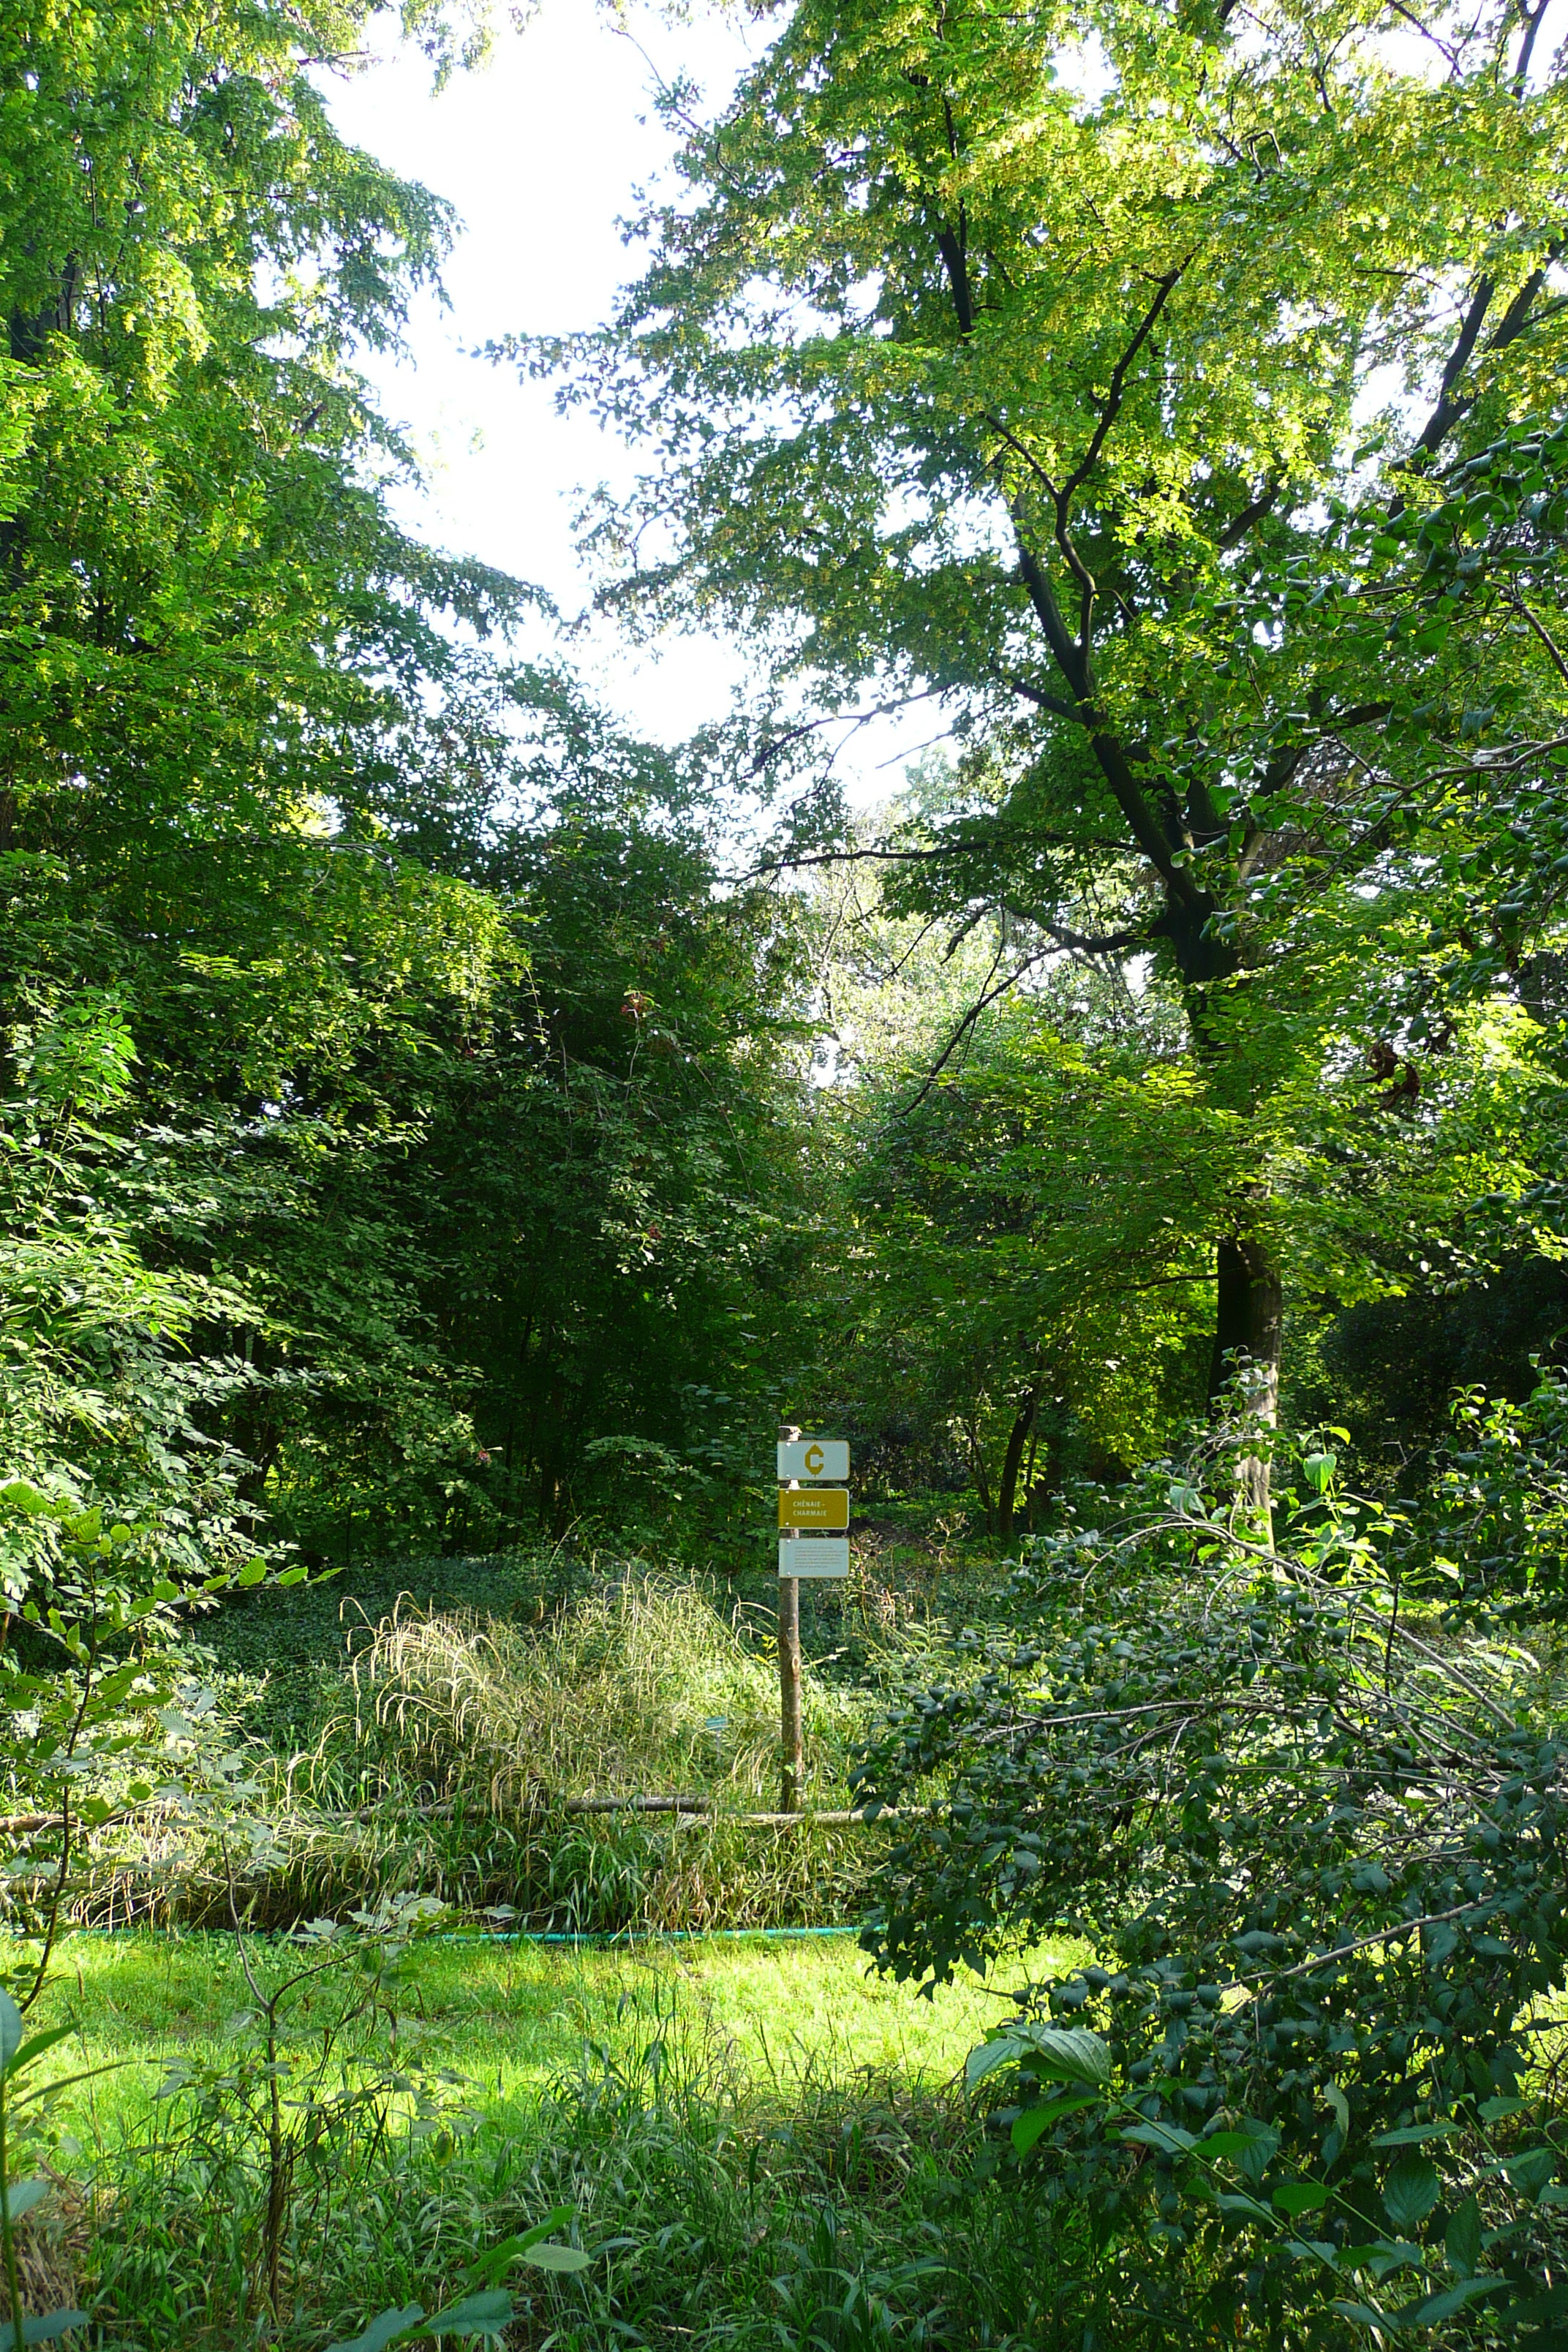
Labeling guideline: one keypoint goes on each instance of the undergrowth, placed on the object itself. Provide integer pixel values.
(441, 1755)
(815, 2213)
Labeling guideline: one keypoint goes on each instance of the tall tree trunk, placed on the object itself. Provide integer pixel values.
(1248, 1315)
(1007, 1487)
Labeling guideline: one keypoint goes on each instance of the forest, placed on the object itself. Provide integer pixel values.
(451, 1126)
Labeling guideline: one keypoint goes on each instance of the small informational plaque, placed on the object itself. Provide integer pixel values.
(814, 1556)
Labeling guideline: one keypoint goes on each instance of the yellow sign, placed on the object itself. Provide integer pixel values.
(814, 1506)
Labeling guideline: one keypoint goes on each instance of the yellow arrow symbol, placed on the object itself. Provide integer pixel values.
(815, 1458)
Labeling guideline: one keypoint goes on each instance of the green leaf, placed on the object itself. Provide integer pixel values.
(37, 2043)
(1446, 2301)
(384, 2329)
(1169, 2139)
(1410, 2192)
(43, 2328)
(23, 1497)
(1462, 2239)
(21, 2196)
(1034, 2122)
(491, 2264)
(1231, 2200)
(1067, 2054)
(1532, 2169)
(1002, 2050)
(1300, 2196)
(556, 2258)
(1414, 2134)
(490, 2314)
(10, 2032)
(1537, 2309)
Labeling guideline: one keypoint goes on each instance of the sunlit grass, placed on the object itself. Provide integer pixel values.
(511, 2017)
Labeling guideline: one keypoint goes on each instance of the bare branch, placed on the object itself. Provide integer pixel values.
(849, 718)
(1517, 603)
(1533, 19)
(1038, 696)
(1426, 33)
(988, 997)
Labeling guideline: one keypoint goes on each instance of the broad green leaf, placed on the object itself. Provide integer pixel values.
(21, 2196)
(44, 2327)
(488, 2314)
(10, 2032)
(384, 2329)
(1410, 2191)
(1067, 2054)
(1365, 2315)
(499, 2258)
(1446, 2301)
(1530, 2170)
(1002, 2050)
(1300, 2196)
(1232, 2200)
(556, 2258)
(1462, 2239)
(1537, 2310)
(24, 1496)
(1170, 2137)
(37, 2043)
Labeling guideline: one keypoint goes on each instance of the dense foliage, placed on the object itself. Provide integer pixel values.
(1132, 382)
(434, 1122)
(1307, 1805)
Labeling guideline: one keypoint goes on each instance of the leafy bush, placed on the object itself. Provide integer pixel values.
(1311, 1818)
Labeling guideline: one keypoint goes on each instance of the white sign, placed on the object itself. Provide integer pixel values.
(814, 1458)
(814, 1555)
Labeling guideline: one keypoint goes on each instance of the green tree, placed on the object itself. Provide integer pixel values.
(1089, 367)
(614, 1195)
(224, 667)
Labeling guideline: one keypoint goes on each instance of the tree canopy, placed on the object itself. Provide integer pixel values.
(1110, 375)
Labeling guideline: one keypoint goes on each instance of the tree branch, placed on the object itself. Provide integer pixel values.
(1447, 412)
(1533, 19)
(1112, 405)
(988, 997)
(1513, 599)
(1114, 764)
(1254, 512)
(1037, 695)
(850, 718)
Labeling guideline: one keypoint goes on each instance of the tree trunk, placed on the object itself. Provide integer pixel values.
(1245, 1369)
(1007, 1487)
(977, 1465)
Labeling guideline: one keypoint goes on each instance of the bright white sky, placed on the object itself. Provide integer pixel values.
(540, 152)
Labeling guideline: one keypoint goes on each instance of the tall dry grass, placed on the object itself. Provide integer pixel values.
(641, 1688)
(444, 1769)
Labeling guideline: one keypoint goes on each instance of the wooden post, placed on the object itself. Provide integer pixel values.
(791, 1743)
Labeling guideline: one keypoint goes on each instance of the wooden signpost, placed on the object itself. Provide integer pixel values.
(810, 1506)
